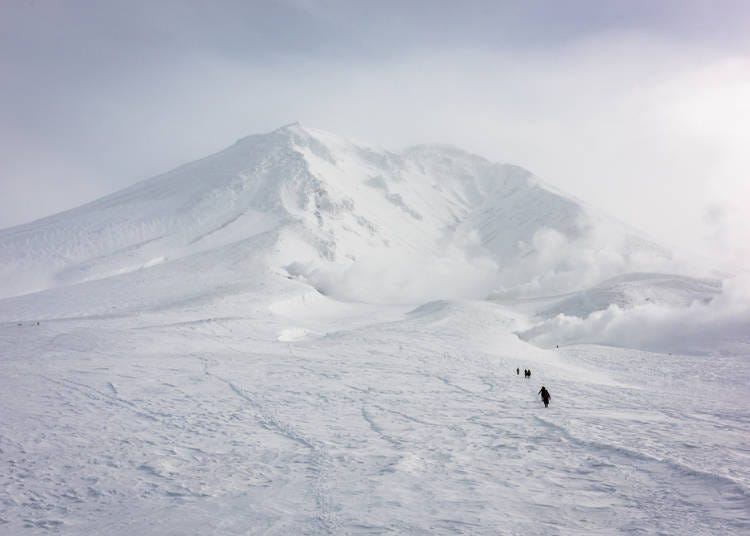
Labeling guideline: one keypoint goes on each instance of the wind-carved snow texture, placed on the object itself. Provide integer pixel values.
(292, 336)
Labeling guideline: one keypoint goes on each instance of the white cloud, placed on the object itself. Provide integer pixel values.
(398, 277)
(554, 264)
(720, 326)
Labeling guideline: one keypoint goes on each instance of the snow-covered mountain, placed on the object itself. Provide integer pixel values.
(323, 220)
(355, 222)
(302, 335)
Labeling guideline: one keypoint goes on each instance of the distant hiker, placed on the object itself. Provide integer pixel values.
(545, 395)
(526, 373)
(518, 371)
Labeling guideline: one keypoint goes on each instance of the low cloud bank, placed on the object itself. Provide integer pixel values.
(553, 263)
(721, 326)
(403, 278)
(549, 263)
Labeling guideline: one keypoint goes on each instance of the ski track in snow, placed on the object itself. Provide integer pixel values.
(376, 430)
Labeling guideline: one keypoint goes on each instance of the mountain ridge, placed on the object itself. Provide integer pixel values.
(334, 203)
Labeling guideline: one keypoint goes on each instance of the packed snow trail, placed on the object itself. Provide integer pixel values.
(400, 426)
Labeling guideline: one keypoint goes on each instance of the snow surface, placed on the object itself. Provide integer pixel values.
(293, 336)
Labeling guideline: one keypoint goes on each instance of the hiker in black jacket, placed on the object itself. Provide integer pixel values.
(545, 395)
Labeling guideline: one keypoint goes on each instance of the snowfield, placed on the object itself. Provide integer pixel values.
(300, 335)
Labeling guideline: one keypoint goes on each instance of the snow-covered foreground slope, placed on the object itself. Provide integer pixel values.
(373, 420)
(292, 337)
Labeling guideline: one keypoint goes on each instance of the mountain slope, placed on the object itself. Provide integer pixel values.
(434, 220)
(281, 339)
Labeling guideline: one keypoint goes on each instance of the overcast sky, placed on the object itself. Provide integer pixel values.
(641, 108)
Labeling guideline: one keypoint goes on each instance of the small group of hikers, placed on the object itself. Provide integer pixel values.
(543, 391)
(526, 372)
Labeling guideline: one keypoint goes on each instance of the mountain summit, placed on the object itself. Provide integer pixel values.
(432, 221)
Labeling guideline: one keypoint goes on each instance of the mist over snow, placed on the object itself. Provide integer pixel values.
(711, 325)
(301, 334)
